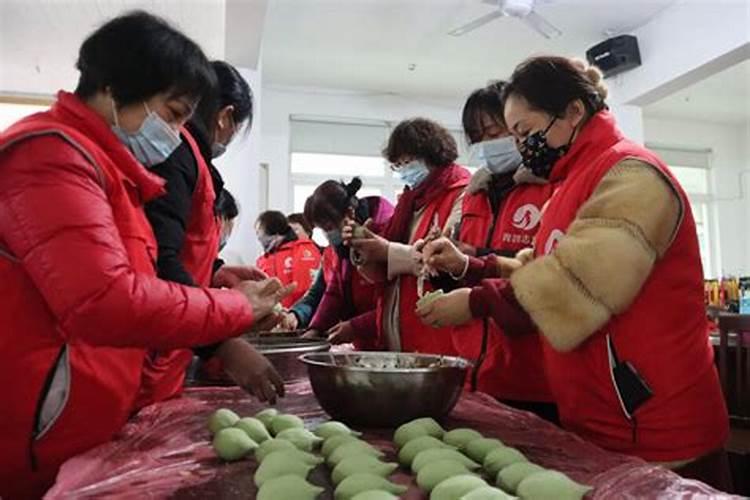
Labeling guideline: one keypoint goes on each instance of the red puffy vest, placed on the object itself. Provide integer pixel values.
(513, 367)
(295, 261)
(102, 380)
(662, 334)
(164, 372)
(415, 336)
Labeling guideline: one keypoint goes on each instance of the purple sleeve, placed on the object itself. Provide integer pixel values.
(365, 325)
(330, 309)
(496, 299)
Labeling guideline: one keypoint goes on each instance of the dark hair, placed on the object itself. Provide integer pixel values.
(424, 139)
(551, 83)
(330, 201)
(231, 90)
(226, 205)
(300, 219)
(274, 222)
(139, 55)
(485, 101)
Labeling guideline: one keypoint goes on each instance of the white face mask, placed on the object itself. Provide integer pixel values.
(499, 155)
(154, 141)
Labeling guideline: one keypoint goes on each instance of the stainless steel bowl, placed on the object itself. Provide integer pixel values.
(385, 389)
(283, 352)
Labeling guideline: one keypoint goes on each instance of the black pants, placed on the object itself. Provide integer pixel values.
(545, 411)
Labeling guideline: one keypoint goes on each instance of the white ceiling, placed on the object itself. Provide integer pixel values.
(39, 39)
(368, 45)
(722, 98)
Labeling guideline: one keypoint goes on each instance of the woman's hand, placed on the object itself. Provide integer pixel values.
(231, 276)
(443, 255)
(288, 321)
(368, 247)
(451, 309)
(264, 295)
(250, 370)
(342, 333)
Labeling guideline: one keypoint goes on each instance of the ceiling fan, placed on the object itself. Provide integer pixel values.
(520, 9)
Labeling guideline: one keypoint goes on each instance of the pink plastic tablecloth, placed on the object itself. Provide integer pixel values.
(165, 452)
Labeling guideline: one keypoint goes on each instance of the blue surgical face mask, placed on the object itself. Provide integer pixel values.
(334, 237)
(500, 155)
(413, 173)
(153, 142)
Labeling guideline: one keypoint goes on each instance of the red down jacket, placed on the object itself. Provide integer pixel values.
(80, 297)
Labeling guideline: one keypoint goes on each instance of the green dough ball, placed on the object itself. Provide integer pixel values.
(499, 458)
(301, 438)
(221, 419)
(267, 447)
(435, 473)
(278, 308)
(358, 483)
(349, 449)
(511, 476)
(359, 232)
(357, 464)
(407, 433)
(266, 416)
(478, 449)
(412, 448)
(278, 464)
(296, 455)
(374, 495)
(281, 423)
(487, 493)
(429, 298)
(335, 441)
(551, 485)
(434, 454)
(417, 428)
(456, 487)
(458, 438)
(288, 486)
(330, 429)
(253, 428)
(233, 444)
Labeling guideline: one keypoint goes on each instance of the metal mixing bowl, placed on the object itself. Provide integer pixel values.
(283, 352)
(385, 389)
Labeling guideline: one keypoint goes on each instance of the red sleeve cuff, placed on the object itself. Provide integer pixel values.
(496, 299)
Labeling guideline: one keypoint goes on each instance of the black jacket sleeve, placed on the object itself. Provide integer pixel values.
(169, 214)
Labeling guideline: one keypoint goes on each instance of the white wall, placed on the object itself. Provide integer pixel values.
(730, 155)
(239, 167)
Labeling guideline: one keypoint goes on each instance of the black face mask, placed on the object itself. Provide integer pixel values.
(539, 156)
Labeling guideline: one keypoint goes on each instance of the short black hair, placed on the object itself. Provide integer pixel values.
(231, 90)
(274, 222)
(485, 101)
(424, 139)
(139, 55)
(226, 205)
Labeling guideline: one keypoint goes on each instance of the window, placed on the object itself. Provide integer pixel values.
(323, 148)
(12, 112)
(691, 168)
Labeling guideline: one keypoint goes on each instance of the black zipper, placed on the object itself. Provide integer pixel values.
(36, 430)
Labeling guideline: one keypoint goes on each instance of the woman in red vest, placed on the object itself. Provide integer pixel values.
(286, 257)
(501, 213)
(188, 228)
(81, 300)
(423, 155)
(346, 314)
(615, 285)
